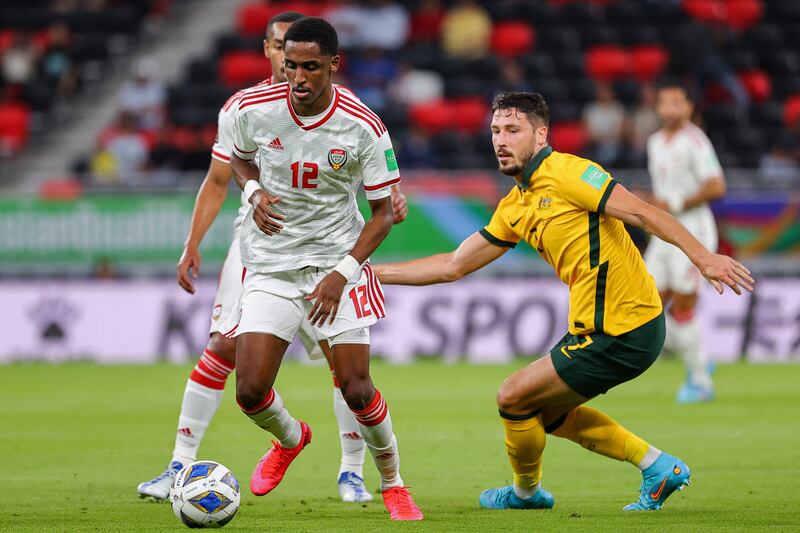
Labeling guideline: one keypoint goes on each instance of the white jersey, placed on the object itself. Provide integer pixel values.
(315, 165)
(678, 166)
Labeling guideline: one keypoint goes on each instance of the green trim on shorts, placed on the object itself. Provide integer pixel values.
(594, 363)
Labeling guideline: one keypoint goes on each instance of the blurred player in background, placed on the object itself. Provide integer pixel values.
(206, 383)
(572, 212)
(306, 249)
(686, 176)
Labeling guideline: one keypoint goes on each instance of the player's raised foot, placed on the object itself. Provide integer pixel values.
(158, 487)
(352, 489)
(400, 504)
(660, 479)
(506, 498)
(690, 393)
(272, 467)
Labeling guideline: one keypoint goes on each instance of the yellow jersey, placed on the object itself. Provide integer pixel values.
(557, 207)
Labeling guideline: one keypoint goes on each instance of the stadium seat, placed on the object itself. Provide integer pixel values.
(605, 63)
(512, 39)
(469, 114)
(706, 10)
(568, 137)
(252, 19)
(757, 84)
(743, 14)
(791, 111)
(433, 117)
(14, 127)
(648, 61)
(239, 69)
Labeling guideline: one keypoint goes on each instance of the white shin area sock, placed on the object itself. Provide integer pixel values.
(200, 403)
(688, 341)
(353, 447)
(272, 416)
(376, 428)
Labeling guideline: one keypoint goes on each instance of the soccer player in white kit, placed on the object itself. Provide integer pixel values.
(686, 176)
(306, 249)
(206, 383)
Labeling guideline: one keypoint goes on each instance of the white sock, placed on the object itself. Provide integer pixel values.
(376, 428)
(272, 416)
(649, 458)
(353, 448)
(201, 399)
(688, 341)
(525, 494)
(669, 339)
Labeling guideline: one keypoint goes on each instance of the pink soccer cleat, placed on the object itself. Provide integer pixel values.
(400, 504)
(272, 467)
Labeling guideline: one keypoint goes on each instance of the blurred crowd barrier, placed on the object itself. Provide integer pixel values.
(478, 320)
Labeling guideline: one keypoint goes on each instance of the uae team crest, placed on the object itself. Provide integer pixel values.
(337, 158)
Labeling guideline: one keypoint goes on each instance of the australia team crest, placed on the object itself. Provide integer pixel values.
(337, 158)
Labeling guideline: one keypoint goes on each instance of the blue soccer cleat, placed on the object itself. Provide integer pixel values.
(661, 479)
(505, 498)
(158, 487)
(352, 489)
(690, 393)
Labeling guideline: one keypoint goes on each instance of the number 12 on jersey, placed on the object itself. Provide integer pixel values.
(310, 172)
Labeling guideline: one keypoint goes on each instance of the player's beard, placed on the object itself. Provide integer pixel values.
(516, 170)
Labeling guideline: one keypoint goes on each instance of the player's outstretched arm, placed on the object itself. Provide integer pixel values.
(399, 204)
(716, 268)
(207, 205)
(474, 253)
(328, 292)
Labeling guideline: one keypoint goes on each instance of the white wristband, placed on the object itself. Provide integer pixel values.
(675, 204)
(348, 267)
(250, 187)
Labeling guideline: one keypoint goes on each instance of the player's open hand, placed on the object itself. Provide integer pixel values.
(399, 206)
(327, 294)
(719, 269)
(266, 218)
(188, 268)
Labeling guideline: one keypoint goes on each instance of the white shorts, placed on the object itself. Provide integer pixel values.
(275, 303)
(226, 301)
(670, 267)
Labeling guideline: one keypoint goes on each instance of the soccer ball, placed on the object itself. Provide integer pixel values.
(205, 494)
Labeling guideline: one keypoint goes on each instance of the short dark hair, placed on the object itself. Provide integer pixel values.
(283, 16)
(314, 30)
(532, 104)
(677, 83)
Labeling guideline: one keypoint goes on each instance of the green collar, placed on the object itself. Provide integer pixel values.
(533, 166)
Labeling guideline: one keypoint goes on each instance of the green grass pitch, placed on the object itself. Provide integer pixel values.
(77, 438)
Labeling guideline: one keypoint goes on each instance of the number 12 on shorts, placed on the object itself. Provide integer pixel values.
(358, 295)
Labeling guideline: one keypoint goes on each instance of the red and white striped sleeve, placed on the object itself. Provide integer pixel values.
(223, 143)
(244, 147)
(379, 167)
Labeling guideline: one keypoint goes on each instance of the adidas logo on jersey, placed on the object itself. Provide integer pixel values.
(276, 144)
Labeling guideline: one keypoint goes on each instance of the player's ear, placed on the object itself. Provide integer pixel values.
(540, 134)
(335, 64)
(266, 47)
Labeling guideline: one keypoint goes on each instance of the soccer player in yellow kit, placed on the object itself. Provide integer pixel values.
(572, 211)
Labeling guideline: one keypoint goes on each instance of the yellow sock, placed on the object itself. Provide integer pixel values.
(598, 432)
(524, 445)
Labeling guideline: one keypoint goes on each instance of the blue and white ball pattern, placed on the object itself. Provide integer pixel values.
(205, 494)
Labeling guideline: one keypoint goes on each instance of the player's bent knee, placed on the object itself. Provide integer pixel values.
(250, 393)
(357, 393)
(223, 347)
(508, 398)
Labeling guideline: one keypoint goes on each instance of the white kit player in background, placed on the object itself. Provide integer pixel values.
(306, 249)
(686, 176)
(206, 383)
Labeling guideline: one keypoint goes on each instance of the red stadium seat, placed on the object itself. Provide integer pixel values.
(607, 62)
(791, 110)
(648, 61)
(742, 14)
(14, 127)
(512, 39)
(757, 83)
(568, 137)
(60, 189)
(706, 10)
(432, 117)
(469, 115)
(241, 68)
(252, 19)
